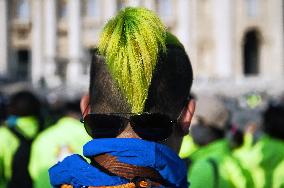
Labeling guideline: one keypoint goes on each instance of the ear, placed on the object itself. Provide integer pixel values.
(186, 115)
(84, 105)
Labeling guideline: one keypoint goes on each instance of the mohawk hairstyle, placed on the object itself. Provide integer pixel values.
(131, 43)
(139, 67)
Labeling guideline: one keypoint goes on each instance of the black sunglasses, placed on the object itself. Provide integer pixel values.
(148, 126)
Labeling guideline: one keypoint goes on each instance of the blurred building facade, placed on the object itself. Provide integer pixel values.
(49, 41)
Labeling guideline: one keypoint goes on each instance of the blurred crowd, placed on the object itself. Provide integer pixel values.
(236, 142)
(36, 133)
(232, 142)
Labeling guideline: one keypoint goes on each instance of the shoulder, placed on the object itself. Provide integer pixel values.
(57, 132)
(4, 131)
(7, 137)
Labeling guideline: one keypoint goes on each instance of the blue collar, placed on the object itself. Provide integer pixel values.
(76, 171)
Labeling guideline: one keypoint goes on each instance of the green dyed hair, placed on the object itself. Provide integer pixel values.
(131, 43)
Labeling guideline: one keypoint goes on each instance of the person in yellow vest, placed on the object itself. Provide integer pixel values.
(64, 138)
(265, 159)
(213, 165)
(249, 122)
(16, 136)
(137, 110)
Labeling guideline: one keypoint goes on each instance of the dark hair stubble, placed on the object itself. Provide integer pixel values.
(167, 94)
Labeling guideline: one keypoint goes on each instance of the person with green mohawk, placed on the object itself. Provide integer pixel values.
(137, 111)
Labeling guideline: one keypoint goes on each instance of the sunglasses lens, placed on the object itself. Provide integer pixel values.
(103, 126)
(154, 127)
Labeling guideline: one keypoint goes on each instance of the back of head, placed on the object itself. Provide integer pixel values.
(3, 106)
(210, 121)
(139, 67)
(243, 118)
(273, 119)
(72, 108)
(212, 112)
(24, 103)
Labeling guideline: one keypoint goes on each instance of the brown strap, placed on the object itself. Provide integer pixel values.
(139, 177)
(130, 172)
(128, 185)
(66, 186)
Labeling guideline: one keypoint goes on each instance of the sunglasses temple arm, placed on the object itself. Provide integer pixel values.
(84, 112)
